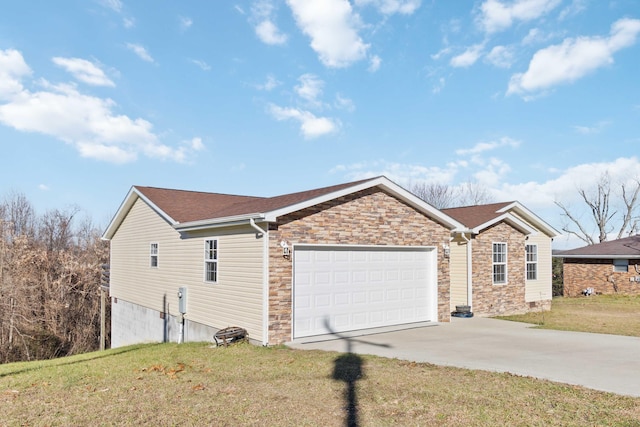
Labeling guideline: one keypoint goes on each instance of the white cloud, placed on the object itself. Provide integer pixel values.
(43, 187)
(310, 88)
(540, 196)
(270, 84)
(439, 85)
(573, 58)
(442, 52)
(262, 14)
(343, 103)
(481, 147)
(88, 123)
(12, 69)
(269, 33)
(84, 70)
(374, 63)
(310, 125)
(185, 22)
(589, 130)
(496, 15)
(402, 173)
(200, 63)
(493, 173)
(115, 5)
(501, 56)
(140, 51)
(128, 22)
(468, 57)
(333, 28)
(390, 7)
(576, 7)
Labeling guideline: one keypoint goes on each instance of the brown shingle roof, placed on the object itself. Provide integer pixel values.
(626, 247)
(186, 206)
(473, 216)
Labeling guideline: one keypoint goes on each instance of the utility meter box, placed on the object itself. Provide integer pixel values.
(182, 300)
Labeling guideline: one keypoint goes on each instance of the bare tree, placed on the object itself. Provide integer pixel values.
(49, 282)
(438, 195)
(442, 196)
(473, 193)
(603, 213)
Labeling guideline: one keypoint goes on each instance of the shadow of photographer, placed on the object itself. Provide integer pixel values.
(348, 368)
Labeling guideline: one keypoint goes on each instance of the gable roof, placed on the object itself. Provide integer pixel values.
(628, 247)
(480, 217)
(191, 210)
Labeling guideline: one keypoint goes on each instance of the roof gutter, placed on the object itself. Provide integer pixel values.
(603, 256)
(219, 222)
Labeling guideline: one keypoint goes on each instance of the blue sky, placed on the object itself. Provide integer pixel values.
(530, 98)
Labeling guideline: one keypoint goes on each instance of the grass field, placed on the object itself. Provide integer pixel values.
(603, 314)
(196, 384)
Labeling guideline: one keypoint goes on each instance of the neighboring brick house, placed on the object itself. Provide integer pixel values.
(607, 267)
(502, 265)
(348, 257)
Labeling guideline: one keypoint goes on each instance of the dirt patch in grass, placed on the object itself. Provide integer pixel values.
(604, 314)
(195, 384)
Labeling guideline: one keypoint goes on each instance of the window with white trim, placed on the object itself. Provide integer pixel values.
(153, 255)
(621, 265)
(531, 252)
(499, 257)
(211, 260)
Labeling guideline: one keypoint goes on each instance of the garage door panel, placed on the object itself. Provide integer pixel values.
(358, 288)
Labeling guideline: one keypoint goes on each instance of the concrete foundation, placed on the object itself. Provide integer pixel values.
(135, 324)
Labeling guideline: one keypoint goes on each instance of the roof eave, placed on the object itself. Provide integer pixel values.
(601, 256)
(229, 221)
(523, 226)
(381, 182)
(531, 217)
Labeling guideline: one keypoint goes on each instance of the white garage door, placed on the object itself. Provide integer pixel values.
(347, 288)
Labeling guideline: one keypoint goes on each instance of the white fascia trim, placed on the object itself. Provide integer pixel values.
(310, 246)
(124, 208)
(530, 231)
(382, 182)
(219, 222)
(597, 256)
(531, 217)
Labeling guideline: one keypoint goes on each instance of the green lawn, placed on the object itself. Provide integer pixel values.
(200, 385)
(604, 314)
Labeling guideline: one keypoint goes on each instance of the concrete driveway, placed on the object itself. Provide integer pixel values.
(602, 362)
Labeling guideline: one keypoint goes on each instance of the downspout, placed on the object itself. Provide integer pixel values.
(469, 272)
(265, 278)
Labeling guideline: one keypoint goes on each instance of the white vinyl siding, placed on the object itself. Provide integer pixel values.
(499, 259)
(458, 272)
(540, 288)
(237, 298)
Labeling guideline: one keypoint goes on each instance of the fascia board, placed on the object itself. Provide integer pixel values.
(124, 208)
(382, 182)
(531, 217)
(218, 222)
(597, 256)
(510, 219)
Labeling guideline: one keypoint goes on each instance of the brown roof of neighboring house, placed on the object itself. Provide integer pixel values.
(473, 216)
(628, 247)
(186, 206)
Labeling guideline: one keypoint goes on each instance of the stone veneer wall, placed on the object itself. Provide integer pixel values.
(494, 300)
(370, 217)
(598, 274)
